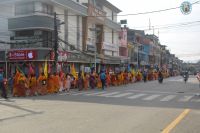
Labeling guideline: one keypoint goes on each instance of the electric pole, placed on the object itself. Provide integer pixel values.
(55, 42)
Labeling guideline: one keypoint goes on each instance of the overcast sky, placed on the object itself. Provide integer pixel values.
(183, 41)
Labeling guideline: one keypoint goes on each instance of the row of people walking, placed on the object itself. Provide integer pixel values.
(23, 85)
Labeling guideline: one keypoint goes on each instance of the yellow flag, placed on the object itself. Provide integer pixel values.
(73, 71)
(82, 73)
(46, 69)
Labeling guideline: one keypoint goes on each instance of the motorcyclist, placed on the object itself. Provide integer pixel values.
(185, 76)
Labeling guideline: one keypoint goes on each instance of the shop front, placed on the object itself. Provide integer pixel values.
(29, 60)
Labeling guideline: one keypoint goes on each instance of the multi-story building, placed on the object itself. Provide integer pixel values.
(123, 45)
(84, 26)
(31, 24)
(140, 54)
(101, 32)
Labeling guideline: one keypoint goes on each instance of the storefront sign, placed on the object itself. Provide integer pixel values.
(22, 55)
(109, 46)
(91, 48)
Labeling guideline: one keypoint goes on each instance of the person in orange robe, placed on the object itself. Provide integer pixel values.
(15, 83)
(20, 87)
(56, 79)
(42, 84)
(33, 85)
(108, 79)
(86, 81)
(99, 84)
(113, 80)
(50, 84)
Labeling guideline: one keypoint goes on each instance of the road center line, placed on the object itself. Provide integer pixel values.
(176, 121)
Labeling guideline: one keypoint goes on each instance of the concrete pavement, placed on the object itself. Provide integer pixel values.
(41, 116)
(105, 111)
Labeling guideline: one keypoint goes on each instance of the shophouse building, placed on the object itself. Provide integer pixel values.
(31, 27)
(85, 28)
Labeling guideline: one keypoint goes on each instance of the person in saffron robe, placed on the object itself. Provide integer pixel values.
(21, 88)
(50, 84)
(108, 79)
(92, 81)
(86, 81)
(99, 84)
(15, 83)
(80, 82)
(42, 84)
(33, 85)
(56, 82)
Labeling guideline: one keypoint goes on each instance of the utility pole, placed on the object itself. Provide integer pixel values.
(55, 42)
(95, 41)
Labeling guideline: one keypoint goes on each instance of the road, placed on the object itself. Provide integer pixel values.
(134, 108)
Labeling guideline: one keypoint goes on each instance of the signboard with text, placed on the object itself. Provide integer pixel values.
(22, 55)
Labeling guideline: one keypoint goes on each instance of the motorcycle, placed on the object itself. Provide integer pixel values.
(185, 78)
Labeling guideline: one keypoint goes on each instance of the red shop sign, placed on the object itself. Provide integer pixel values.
(22, 55)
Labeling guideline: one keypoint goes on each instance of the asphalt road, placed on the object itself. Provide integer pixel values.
(135, 108)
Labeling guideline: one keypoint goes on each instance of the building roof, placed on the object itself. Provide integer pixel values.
(111, 6)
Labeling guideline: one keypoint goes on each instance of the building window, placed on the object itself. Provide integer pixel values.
(24, 8)
(25, 33)
(46, 8)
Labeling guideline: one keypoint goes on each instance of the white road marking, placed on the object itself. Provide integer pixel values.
(95, 93)
(136, 96)
(185, 98)
(196, 100)
(122, 95)
(109, 94)
(80, 93)
(151, 97)
(168, 98)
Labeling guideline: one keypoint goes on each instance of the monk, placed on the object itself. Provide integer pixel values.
(86, 81)
(99, 84)
(42, 84)
(108, 79)
(92, 81)
(56, 79)
(33, 85)
(50, 84)
(20, 87)
(15, 83)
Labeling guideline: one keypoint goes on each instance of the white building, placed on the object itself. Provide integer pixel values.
(29, 24)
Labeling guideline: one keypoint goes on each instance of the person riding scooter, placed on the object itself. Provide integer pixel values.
(185, 76)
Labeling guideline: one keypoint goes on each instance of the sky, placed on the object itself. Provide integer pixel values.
(182, 40)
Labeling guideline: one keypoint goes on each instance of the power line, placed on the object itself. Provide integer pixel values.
(140, 13)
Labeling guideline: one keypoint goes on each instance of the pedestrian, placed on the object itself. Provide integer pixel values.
(2, 86)
(103, 79)
(68, 82)
(80, 82)
(11, 83)
(33, 85)
(42, 84)
(198, 77)
(144, 75)
(92, 80)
